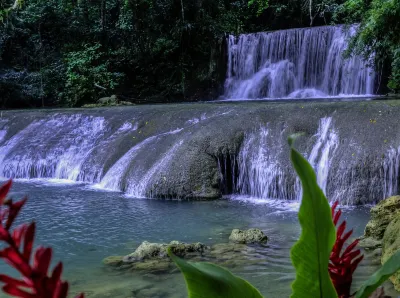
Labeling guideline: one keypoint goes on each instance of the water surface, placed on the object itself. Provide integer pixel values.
(84, 226)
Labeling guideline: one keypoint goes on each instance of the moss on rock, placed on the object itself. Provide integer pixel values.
(391, 244)
(381, 215)
(248, 236)
(148, 251)
(114, 261)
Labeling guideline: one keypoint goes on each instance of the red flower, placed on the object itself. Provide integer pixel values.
(35, 282)
(343, 264)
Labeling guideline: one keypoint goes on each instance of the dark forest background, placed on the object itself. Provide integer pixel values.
(73, 52)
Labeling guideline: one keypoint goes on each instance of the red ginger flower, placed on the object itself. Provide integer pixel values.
(342, 265)
(35, 282)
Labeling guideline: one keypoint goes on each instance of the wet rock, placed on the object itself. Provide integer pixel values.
(232, 255)
(148, 251)
(114, 261)
(377, 252)
(112, 100)
(391, 244)
(153, 266)
(248, 236)
(381, 215)
(370, 243)
(150, 293)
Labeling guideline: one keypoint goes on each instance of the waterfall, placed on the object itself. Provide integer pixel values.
(204, 151)
(57, 147)
(391, 172)
(295, 63)
(322, 152)
(262, 175)
(135, 184)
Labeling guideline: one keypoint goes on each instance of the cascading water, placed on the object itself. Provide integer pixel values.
(136, 183)
(391, 172)
(321, 154)
(295, 63)
(261, 174)
(208, 150)
(59, 146)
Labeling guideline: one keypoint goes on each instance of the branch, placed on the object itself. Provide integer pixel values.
(100, 87)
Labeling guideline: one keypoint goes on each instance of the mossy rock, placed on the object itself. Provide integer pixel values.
(391, 244)
(248, 236)
(153, 266)
(370, 243)
(148, 251)
(381, 215)
(114, 261)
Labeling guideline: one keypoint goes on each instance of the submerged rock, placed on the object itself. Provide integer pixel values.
(148, 251)
(391, 244)
(248, 236)
(153, 257)
(114, 261)
(153, 266)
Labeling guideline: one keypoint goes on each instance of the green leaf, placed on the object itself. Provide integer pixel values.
(310, 254)
(206, 280)
(390, 267)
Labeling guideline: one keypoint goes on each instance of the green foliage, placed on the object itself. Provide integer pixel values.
(310, 254)
(394, 79)
(167, 50)
(87, 74)
(378, 37)
(205, 280)
(387, 270)
(260, 4)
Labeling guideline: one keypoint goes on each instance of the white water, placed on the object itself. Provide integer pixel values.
(47, 148)
(262, 176)
(391, 172)
(295, 63)
(260, 173)
(69, 148)
(322, 153)
(136, 185)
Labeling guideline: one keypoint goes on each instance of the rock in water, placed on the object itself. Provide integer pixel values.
(381, 215)
(390, 245)
(248, 236)
(148, 251)
(114, 261)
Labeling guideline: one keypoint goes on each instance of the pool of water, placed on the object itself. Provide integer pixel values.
(85, 225)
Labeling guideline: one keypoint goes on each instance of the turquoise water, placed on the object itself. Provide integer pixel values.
(84, 226)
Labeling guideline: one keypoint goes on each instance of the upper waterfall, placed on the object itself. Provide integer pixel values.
(296, 63)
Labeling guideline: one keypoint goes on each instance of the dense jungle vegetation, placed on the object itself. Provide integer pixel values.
(72, 52)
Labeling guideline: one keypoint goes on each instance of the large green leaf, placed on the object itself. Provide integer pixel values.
(310, 254)
(390, 267)
(206, 280)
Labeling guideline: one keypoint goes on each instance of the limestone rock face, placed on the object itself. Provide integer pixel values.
(248, 236)
(390, 245)
(381, 215)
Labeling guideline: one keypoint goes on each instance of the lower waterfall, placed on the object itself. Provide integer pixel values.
(209, 150)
